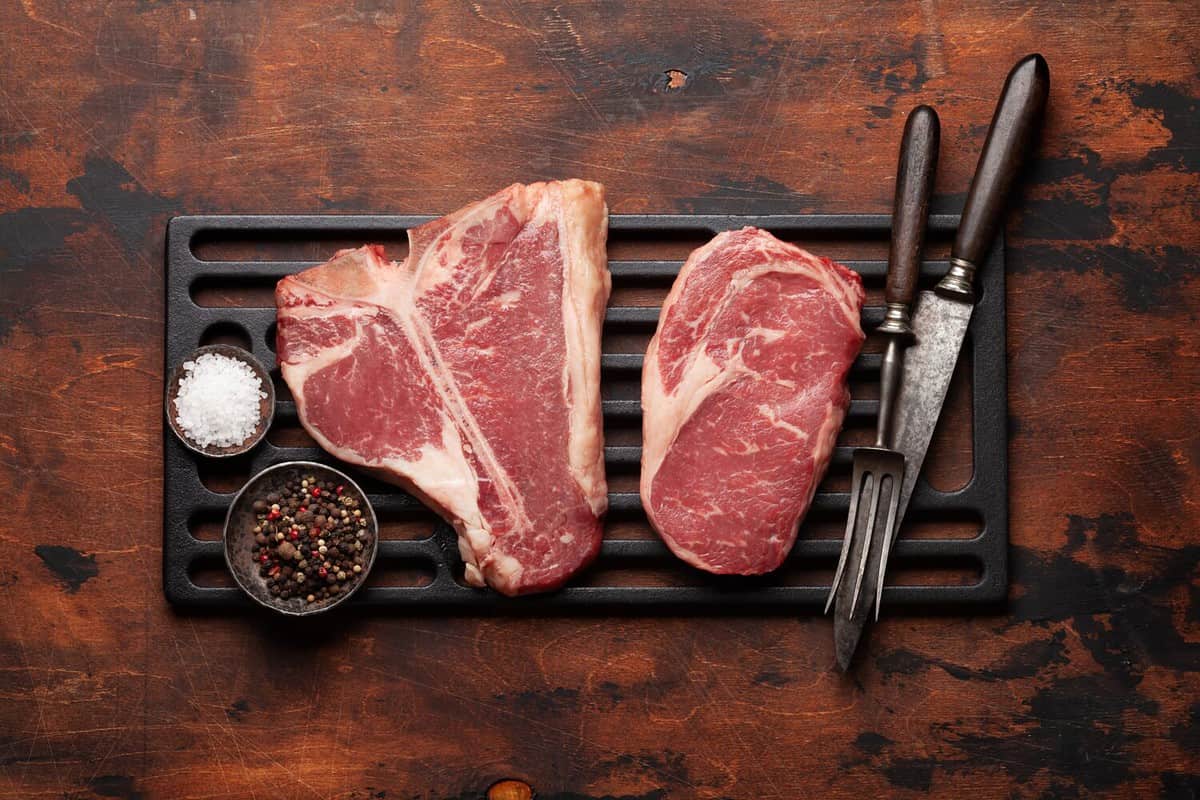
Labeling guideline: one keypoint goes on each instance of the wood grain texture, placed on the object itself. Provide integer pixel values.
(116, 115)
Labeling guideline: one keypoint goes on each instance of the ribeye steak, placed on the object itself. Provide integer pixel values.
(469, 374)
(743, 394)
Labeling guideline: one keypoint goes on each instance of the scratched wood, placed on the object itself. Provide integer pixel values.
(116, 115)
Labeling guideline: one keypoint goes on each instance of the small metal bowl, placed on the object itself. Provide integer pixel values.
(239, 537)
(266, 407)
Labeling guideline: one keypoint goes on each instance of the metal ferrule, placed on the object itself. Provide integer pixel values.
(896, 321)
(959, 281)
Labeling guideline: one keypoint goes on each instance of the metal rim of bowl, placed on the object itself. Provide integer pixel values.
(301, 465)
(230, 351)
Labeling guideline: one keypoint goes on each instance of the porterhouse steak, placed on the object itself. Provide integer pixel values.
(469, 374)
(743, 394)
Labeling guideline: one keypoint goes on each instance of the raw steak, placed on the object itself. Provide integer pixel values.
(743, 394)
(469, 374)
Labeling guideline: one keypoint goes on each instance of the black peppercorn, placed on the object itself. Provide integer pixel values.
(292, 523)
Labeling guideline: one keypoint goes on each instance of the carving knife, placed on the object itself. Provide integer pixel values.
(941, 316)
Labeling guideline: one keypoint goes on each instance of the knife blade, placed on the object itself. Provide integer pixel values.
(941, 316)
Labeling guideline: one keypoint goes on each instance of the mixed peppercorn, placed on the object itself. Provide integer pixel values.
(312, 540)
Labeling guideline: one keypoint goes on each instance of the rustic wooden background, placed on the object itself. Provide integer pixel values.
(114, 116)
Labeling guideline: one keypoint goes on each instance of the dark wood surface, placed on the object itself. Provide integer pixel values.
(115, 116)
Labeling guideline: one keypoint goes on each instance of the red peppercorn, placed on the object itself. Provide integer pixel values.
(294, 534)
(316, 492)
(273, 515)
(264, 558)
(275, 570)
(340, 489)
(323, 572)
(304, 508)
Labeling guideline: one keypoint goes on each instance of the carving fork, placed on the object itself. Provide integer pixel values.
(879, 470)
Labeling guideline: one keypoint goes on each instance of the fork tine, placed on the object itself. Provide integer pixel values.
(847, 540)
(889, 535)
(868, 532)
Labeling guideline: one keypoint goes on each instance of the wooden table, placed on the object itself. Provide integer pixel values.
(115, 116)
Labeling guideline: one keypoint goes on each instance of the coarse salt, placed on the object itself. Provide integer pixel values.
(218, 401)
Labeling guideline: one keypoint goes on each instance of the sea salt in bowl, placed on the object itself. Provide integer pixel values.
(266, 404)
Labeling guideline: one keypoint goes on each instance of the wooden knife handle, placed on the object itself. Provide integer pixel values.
(1010, 138)
(910, 210)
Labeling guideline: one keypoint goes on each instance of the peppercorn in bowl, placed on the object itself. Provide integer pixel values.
(300, 537)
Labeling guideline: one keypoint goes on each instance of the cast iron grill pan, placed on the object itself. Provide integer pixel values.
(426, 572)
